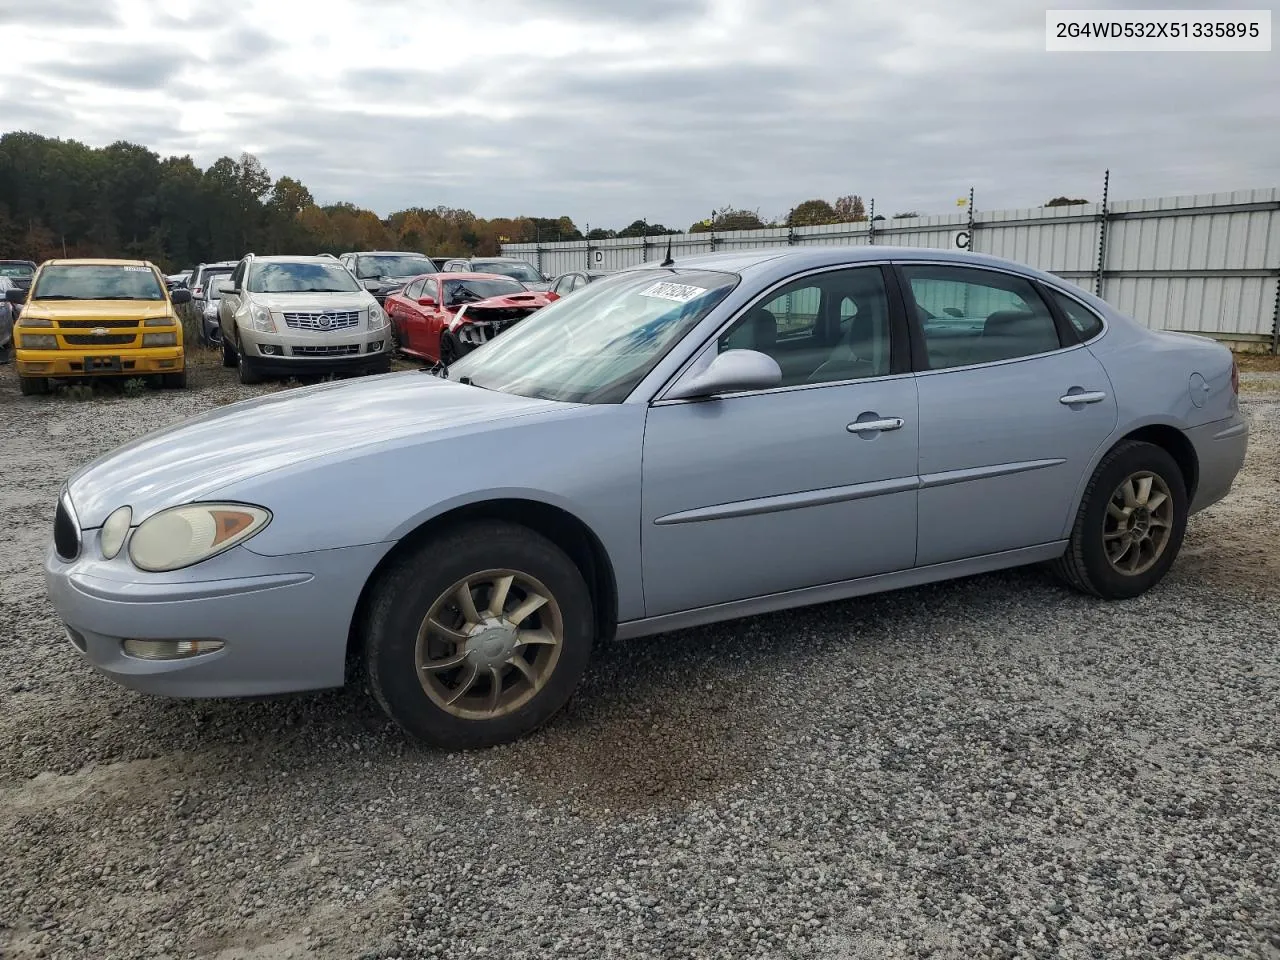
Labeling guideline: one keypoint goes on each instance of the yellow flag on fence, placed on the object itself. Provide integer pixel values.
(962, 202)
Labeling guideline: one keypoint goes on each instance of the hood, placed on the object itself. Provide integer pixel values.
(528, 301)
(194, 459)
(96, 309)
(355, 300)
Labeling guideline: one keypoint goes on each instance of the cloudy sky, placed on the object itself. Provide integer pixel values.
(610, 110)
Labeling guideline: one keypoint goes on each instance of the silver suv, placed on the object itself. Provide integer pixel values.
(300, 316)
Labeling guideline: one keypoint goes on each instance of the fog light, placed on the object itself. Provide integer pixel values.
(268, 349)
(375, 346)
(170, 649)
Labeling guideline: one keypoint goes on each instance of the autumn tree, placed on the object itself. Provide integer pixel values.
(850, 209)
(1064, 202)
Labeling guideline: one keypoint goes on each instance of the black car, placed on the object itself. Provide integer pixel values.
(383, 272)
(513, 267)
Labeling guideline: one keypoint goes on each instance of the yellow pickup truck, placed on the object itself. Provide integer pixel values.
(92, 318)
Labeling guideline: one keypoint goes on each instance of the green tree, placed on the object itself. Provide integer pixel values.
(811, 213)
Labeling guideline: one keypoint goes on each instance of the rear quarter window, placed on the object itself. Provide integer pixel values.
(1087, 323)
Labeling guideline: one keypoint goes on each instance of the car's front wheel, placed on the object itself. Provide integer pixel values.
(1130, 524)
(478, 636)
(33, 386)
(249, 374)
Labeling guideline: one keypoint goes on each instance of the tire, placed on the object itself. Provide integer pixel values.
(421, 581)
(228, 353)
(33, 386)
(249, 374)
(449, 351)
(176, 381)
(1085, 565)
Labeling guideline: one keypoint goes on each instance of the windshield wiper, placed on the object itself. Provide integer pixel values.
(320, 290)
(54, 296)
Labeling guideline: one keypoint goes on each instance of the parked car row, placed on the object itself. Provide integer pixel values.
(269, 315)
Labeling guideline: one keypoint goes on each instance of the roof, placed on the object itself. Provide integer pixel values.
(98, 262)
(820, 255)
(296, 258)
(465, 275)
(386, 253)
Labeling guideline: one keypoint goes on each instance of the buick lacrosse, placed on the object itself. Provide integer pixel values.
(675, 444)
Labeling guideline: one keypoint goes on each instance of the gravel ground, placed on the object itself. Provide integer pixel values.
(988, 768)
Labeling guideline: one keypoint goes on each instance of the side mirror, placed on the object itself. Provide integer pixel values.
(730, 371)
(180, 296)
(426, 302)
(14, 295)
(369, 283)
(224, 286)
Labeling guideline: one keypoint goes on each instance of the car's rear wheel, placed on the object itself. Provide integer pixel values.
(478, 636)
(33, 386)
(228, 353)
(1130, 524)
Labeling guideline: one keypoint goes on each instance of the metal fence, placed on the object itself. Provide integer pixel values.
(1205, 264)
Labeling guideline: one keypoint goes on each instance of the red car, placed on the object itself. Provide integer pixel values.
(441, 316)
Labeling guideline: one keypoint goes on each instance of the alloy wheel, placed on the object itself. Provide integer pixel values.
(1138, 523)
(488, 644)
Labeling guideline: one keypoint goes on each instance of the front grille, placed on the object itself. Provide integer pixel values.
(91, 324)
(341, 350)
(323, 321)
(66, 532)
(94, 340)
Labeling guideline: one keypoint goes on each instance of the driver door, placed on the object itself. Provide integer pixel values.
(760, 492)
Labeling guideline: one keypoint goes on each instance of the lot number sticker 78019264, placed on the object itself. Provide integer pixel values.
(679, 292)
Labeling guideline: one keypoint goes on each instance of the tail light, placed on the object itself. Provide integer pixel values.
(1235, 377)
(196, 291)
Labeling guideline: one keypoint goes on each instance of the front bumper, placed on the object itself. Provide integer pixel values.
(284, 621)
(72, 363)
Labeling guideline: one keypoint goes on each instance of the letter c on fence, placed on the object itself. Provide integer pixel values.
(962, 240)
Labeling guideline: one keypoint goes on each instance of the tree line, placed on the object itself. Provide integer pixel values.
(65, 198)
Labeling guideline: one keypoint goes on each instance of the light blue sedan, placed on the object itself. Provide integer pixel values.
(673, 445)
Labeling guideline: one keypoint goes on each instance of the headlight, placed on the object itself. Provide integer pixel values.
(377, 318)
(39, 341)
(34, 322)
(159, 339)
(260, 319)
(159, 322)
(114, 529)
(181, 536)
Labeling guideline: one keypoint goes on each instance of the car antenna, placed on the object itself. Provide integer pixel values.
(668, 262)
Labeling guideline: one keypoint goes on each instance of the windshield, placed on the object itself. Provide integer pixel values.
(469, 291)
(313, 277)
(16, 270)
(97, 282)
(522, 271)
(595, 346)
(393, 265)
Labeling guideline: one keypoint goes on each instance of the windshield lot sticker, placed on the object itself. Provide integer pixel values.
(679, 292)
(138, 269)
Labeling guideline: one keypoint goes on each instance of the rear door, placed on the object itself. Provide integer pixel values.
(1012, 410)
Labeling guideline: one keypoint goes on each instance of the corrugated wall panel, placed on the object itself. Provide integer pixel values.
(1205, 238)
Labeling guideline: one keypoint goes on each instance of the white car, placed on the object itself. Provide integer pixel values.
(300, 316)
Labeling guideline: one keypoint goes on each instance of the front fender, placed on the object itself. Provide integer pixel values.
(586, 464)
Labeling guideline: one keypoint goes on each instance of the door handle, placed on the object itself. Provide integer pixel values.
(1090, 396)
(875, 426)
